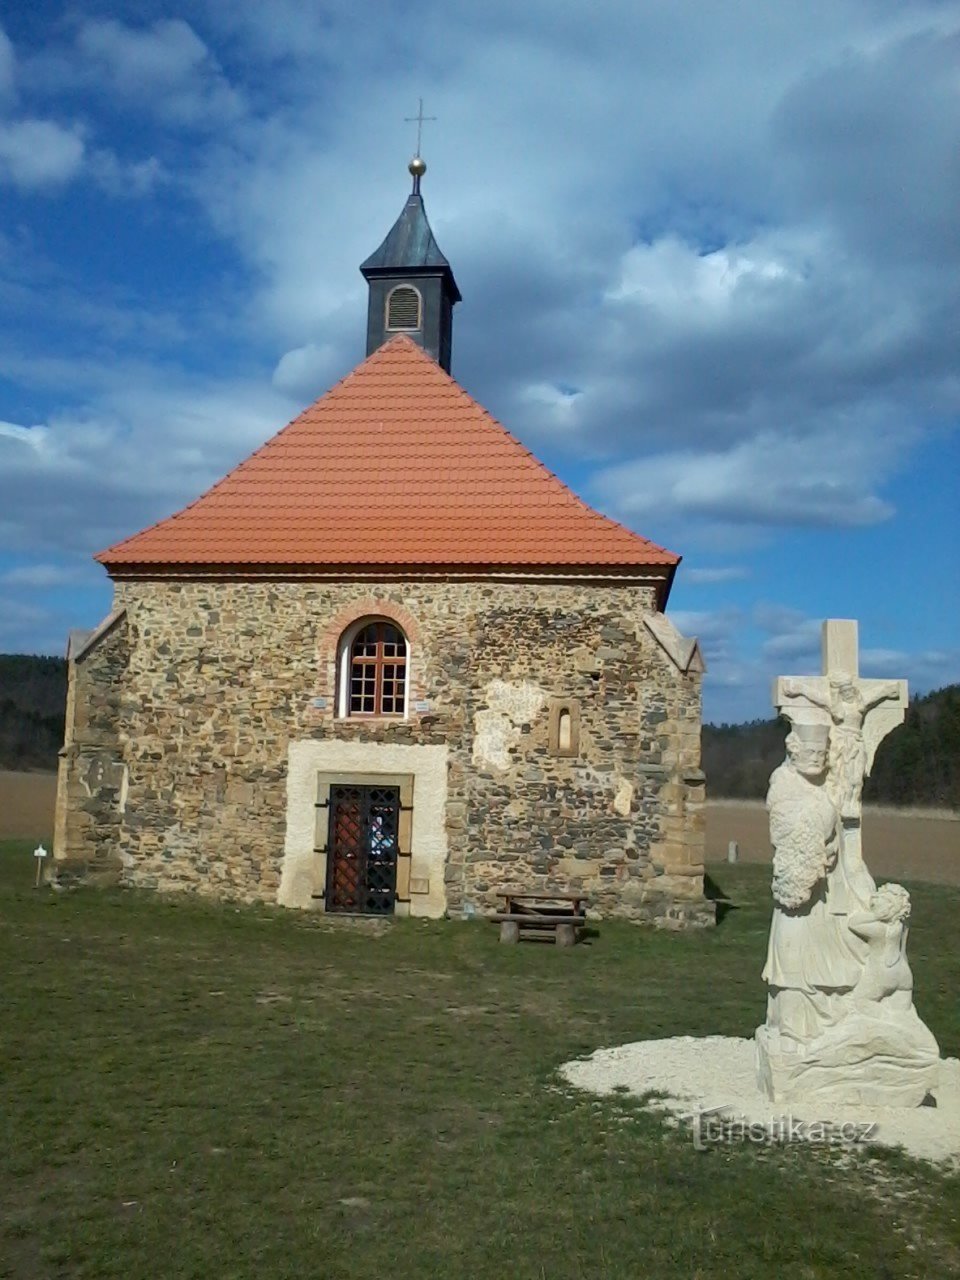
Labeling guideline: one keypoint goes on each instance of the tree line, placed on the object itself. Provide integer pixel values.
(918, 763)
(33, 696)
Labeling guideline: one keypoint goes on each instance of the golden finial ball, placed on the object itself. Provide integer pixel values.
(417, 166)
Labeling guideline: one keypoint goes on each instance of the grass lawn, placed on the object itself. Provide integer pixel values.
(195, 1090)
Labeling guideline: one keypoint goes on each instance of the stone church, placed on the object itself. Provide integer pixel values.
(389, 664)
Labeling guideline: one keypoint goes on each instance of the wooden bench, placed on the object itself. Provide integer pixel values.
(565, 913)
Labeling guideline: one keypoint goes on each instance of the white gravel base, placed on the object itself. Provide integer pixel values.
(717, 1072)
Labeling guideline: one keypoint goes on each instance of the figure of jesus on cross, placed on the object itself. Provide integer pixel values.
(859, 713)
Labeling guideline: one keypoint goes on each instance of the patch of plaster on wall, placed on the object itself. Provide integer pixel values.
(497, 727)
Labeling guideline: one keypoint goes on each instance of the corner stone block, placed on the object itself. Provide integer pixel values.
(677, 856)
(686, 888)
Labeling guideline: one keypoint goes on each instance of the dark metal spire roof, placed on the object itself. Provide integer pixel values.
(410, 246)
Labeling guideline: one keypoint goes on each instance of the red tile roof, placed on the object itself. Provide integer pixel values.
(395, 465)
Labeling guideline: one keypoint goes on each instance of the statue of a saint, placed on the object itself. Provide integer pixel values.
(813, 962)
(841, 1025)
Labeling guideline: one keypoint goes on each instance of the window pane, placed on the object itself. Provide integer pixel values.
(377, 670)
(365, 642)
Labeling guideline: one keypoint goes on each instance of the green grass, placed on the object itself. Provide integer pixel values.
(195, 1090)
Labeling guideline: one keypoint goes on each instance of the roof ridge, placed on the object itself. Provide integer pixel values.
(395, 462)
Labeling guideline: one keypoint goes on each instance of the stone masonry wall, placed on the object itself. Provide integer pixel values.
(91, 779)
(222, 676)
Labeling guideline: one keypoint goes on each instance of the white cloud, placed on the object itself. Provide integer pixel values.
(80, 481)
(37, 154)
(680, 283)
(135, 179)
(925, 670)
(307, 371)
(8, 69)
(739, 681)
(34, 438)
(716, 629)
(15, 616)
(801, 647)
(792, 638)
(165, 53)
(771, 479)
(556, 407)
(42, 576)
(165, 68)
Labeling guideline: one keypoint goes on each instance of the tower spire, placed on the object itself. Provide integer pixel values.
(412, 288)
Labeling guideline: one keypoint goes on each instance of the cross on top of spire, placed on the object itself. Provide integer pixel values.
(417, 165)
(418, 119)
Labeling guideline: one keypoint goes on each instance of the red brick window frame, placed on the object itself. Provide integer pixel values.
(372, 671)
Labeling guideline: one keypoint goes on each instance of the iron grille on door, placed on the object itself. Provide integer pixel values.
(362, 849)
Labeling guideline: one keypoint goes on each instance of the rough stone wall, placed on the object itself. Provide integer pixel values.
(91, 779)
(223, 676)
(622, 818)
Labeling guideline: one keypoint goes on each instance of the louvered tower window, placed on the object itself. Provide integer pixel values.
(403, 308)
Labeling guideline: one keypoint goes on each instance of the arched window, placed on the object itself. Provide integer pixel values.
(373, 670)
(404, 306)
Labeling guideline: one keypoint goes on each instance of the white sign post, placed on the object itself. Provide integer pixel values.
(39, 853)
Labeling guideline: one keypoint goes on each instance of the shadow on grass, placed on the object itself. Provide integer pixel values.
(713, 893)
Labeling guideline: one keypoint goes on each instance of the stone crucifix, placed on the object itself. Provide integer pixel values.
(841, 1026)
(858, 714)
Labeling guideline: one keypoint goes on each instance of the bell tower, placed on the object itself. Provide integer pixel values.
(412, 289)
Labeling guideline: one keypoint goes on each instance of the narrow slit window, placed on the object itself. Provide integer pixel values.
(564, 727)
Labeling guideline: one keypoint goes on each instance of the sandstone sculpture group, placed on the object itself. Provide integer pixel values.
(841, 1025)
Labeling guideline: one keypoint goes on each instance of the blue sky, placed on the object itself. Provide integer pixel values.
(710, 259)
